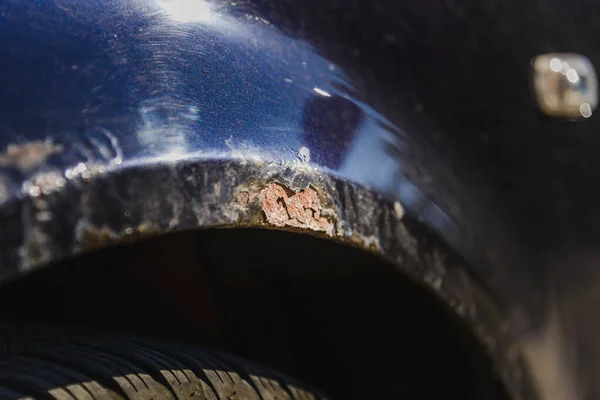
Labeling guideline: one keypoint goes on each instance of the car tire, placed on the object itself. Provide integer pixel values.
(62, 364)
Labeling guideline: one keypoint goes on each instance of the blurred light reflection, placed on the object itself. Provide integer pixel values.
(322, 92)
(187, 10)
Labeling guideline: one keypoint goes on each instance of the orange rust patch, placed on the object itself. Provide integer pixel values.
(302, 209)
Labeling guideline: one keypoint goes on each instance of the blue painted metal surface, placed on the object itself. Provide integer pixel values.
(125, 82)
(110, 85)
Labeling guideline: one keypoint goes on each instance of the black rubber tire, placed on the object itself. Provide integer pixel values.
(48, 363)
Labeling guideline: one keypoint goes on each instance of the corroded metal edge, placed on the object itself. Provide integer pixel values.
(57, 219)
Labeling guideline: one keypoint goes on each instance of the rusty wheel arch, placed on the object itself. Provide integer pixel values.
(121, 205)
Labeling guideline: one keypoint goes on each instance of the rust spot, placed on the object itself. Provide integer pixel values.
(302, 209)
(29, 155)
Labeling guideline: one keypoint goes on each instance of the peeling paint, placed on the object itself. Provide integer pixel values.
(243, 198)
(370, 242)
(304, 154)
(28, 156)
(84, 171)
(217, 188)
(38, 242)
(43, 183)
(398, 209)
(244, 152)
(92, 237)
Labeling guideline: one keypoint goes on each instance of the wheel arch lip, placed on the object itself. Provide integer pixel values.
(128, 204)
(123, 121)
(93, 90)
(122, 85)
